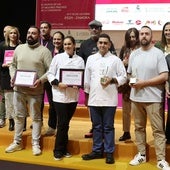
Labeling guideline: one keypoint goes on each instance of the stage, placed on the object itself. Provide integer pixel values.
(78, 145)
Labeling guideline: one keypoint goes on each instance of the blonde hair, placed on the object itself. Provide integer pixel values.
(7, 39)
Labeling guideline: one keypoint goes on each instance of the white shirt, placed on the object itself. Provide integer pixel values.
(62, 60)
(145, 65)
(98, 66)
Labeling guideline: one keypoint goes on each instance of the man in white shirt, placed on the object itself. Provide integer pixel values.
(104, 72)
(148, 66)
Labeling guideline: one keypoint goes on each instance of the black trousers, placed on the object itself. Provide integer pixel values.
(167, 127)
(64, 112)
(52, 119)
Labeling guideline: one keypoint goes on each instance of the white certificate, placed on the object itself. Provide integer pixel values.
(72, 77)
(25, 78)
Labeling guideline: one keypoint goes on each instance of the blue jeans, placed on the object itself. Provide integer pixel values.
(103, 128)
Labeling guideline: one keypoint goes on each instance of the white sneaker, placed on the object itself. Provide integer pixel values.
(2, 123)
(50, 132)
(138, 159)
(13, 147)
(163, 165)
(36, 150)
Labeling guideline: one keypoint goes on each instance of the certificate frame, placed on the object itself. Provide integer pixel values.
(25, 78)
(8, 56)
(72, 77)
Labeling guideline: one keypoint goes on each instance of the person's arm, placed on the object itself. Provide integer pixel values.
(52, 72)
(86, 99)
(47, 62)
(160, 79)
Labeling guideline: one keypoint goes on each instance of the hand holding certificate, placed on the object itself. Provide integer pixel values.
(25, 78)
(8, 56)
(72, 77)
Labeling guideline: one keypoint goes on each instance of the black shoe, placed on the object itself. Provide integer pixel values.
(126, 136)
(90, 134)
(11, 124)
(110, 158)
(25, 125)
(92, 155)
(67, 154)
(168, 141)
(58, 156)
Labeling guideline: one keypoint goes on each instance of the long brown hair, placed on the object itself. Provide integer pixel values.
(163, 39)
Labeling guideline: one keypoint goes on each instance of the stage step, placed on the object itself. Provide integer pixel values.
(78, 145)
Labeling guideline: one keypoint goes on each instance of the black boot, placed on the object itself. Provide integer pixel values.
(25, 124)
(126, 136)
(11, 124)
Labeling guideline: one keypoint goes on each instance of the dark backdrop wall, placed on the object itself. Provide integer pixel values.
(19, 13)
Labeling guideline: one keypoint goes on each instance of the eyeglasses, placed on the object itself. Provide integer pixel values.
(95, 27)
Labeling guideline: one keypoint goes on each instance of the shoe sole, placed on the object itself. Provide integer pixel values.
(121, 140)
(137, 164)
(88, 136)
(51, 134)
(14, 150)
(58, 159)
(2, 126)
(36, 154)
(128, 141)
(86, 159)
(66, 156)
(110, 162)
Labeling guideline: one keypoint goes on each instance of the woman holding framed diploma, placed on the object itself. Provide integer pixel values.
(65, 96)
(12, 40)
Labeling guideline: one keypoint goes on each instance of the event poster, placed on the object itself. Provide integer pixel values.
(122, 14)
(65, 14)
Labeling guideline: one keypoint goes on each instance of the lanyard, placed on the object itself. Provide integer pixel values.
(43, 43)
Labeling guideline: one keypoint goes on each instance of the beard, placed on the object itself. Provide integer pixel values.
(145, 42)
(31, 41)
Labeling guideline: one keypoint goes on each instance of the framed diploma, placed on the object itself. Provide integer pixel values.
(25, 78)
(8, 56)
(72, 77)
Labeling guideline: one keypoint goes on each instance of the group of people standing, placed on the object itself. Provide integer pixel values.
(147, 65)
(139, 73)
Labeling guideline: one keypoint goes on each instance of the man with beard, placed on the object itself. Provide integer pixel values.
(30, 56)
(147, 65)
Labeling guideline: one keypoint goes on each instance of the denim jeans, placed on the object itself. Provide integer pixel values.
(103, 128)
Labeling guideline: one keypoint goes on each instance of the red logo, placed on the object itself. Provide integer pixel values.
(138, 22)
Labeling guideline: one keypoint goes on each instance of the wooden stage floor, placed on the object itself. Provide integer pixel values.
(78, 145)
